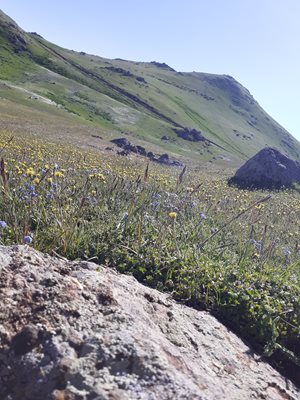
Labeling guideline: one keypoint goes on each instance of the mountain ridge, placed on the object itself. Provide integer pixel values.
(145, 100)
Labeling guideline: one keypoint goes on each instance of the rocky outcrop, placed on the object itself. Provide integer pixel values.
(125, 73)
(191, 135)
(162, 65)
(238, 95)
(128, 148)
(268, 169)
(13, 33)
(79, 331)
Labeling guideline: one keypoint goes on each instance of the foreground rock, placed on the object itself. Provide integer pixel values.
(268, 169)
(78, 331)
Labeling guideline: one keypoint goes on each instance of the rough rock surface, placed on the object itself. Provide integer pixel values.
(268, 169)
(78, 331)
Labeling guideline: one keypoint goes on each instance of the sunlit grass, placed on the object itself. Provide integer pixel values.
(234, 252)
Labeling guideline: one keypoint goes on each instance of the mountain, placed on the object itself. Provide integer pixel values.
(83, 98)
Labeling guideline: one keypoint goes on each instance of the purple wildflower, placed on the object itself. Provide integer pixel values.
(27, 239)
(3, 224)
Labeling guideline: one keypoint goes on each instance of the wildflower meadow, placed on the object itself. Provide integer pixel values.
(214, 247)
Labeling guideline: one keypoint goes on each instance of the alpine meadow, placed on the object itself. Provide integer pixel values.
(126, 164)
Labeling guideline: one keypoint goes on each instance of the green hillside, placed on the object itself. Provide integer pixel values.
(77, 97)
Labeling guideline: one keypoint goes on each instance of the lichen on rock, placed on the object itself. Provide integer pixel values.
(77, 331)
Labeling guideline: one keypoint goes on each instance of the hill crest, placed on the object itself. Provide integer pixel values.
(147, 101)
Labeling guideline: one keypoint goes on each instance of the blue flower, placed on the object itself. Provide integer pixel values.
(202, 216)
(256, 244)
(125, 216)
(27, 239)
(155, 205)
(92, 200)
(156, 196)
(3, 224)
(49, 196)
(30, 187)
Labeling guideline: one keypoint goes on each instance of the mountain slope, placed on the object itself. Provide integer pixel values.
(147, 101)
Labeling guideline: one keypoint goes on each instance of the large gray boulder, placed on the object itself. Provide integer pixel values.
(79, 331)
(268, 169)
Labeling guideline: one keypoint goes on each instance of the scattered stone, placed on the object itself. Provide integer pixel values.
(151, 155)
(128, 148)
(123, 153)
(193, 135)
(97, 334)
(268, 169)
(141, 79)
(125, 73)
(163, 159)
(121, 71)
(190, 134)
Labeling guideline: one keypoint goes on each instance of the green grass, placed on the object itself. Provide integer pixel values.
(212, 246)
(220, 249)
(215, 104)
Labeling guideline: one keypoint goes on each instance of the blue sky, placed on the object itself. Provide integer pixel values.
(255, 41)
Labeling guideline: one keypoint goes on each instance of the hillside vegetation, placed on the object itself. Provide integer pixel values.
(146, 101)
(211, 246)
(180, 230)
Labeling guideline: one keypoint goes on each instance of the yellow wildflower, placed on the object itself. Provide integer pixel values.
(173, 214)
(30, 172)
(259, 206)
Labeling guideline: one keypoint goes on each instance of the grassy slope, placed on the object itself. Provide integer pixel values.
(253, 285)
(143, 99)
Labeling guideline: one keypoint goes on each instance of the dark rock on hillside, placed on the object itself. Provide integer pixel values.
(268, 169)
(140, 79)
(120, 71)
(162, 65)
(151, 156)
(128, 148)
(193, 135)
(13, 33)
(238, 95)
(164, 159)
(36, 34)
(17, 41)
(190, 134)
(125, 73)
(165, 138)
(121, 142)
(80, 331)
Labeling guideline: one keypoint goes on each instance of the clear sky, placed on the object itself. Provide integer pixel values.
(255, 41)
